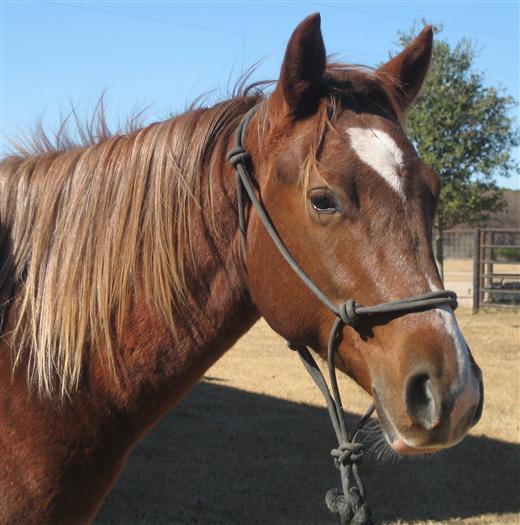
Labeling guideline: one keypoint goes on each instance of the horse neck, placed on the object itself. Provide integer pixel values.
(218, 311)
(82, 440)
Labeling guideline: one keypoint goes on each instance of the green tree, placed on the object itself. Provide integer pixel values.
(462, 128)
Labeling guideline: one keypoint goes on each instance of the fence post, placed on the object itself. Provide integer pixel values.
(476, 270)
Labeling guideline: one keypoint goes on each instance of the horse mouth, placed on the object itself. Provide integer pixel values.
(396, 442)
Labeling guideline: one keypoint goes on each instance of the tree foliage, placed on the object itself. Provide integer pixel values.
(463, 128)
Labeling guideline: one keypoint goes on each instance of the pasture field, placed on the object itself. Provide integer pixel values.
(250, 445)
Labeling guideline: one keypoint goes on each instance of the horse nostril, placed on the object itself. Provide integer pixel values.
(421, 401)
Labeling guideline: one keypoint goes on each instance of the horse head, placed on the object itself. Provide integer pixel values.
(354, 204)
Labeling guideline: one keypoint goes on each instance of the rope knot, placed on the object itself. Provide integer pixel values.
(350, 507)
(347, 454)
(237, 155)
(347, 313)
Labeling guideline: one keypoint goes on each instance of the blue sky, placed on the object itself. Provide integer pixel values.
(165, 54)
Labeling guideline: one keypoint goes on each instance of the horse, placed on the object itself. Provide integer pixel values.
(124, 273)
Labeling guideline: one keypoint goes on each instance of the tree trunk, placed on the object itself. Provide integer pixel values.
(440, 252)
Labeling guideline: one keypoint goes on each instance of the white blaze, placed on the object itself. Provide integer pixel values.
(378, 149)
(446, 317)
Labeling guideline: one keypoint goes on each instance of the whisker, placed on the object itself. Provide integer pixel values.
(377, 445)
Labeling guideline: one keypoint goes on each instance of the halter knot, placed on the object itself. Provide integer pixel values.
(237, 155)
(347, 313)
(350, 507)
(347, 454)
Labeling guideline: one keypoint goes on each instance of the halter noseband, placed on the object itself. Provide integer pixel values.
(348, 503)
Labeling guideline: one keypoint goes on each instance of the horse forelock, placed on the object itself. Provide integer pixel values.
(349, 87)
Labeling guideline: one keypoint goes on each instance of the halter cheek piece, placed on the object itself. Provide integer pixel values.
(348, 503)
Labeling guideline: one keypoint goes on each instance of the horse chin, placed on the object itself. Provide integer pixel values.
(400, 446)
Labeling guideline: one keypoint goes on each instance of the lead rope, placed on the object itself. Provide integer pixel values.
(348, 502)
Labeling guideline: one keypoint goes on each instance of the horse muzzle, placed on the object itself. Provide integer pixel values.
(431, 417)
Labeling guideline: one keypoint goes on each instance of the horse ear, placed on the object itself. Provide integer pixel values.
(301, 77)
(409, 68)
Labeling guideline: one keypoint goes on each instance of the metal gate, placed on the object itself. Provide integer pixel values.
(496, 268)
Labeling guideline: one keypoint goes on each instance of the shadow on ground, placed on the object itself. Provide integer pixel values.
(226, 456)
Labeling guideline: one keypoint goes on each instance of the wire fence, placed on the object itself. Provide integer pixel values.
(458, 244)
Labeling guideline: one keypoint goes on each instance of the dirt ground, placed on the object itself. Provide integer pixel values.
(250, 445)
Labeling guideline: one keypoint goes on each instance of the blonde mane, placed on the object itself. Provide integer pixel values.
(80, 223)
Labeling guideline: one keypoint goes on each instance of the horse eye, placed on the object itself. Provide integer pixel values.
(323, 202)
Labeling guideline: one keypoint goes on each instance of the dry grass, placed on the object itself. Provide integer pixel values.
(250, 446)
(466, 265)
